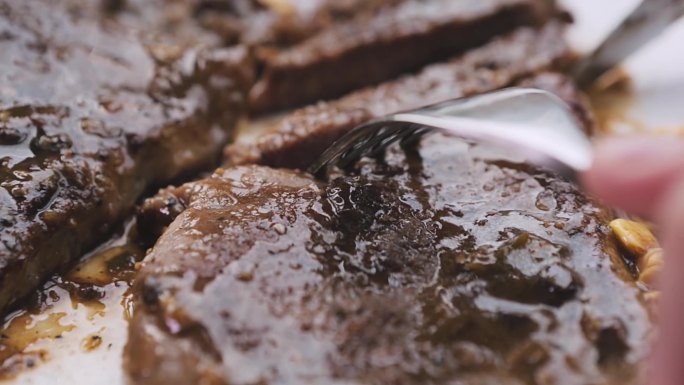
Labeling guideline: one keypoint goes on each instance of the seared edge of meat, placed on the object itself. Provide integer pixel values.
(373, 48)
(449, 265)
(94, 113)
(296, 140)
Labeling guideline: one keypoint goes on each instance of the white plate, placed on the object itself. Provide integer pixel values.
(658, 95)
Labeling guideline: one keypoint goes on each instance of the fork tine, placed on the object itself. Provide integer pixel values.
(366, 140)
(412, 137)
(374, 134)
(533, 122)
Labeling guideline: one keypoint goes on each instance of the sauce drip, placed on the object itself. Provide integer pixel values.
(74, 313)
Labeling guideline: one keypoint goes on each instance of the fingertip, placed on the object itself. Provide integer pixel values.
(665, 363)
(632, 173)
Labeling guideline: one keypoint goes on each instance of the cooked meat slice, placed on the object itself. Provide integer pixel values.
(312, 50)
(92, 116)
(280, 23)
(299, 138)
(442, 265)
(374, 47)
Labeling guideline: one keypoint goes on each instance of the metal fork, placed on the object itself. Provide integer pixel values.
(535, 123)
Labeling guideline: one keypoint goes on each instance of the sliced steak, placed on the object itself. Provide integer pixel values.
(319, 49)
(371, 47)
(449, 264)
(296, 140)
(280, 23)
(92, 115)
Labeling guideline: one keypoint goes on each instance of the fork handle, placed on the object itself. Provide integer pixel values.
(647, 21)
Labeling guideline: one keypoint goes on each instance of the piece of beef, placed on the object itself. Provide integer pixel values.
(280, 23)
(447, 264)
(92, 114)
(372, 47)
(296, 140)
(316, 49)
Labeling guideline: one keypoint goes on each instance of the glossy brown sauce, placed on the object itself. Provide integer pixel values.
(450, 263)
(95, 289)
(102, 281)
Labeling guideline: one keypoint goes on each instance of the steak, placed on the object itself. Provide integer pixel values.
(296, 140)
(279, 23)
(102, 100)
(95, 109)
(448, 263)
(382, 41)
(319, 49)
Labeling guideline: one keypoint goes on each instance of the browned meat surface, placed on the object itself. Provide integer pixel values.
(279, 23)
(93, 114)
(386, 39)
(450, 264)
(316, 49)
(296, 140)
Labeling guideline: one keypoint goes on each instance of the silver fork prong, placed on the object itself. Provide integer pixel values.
(537, 124)
(363, 141)
(412, 137)
(391, 132)
(366, 140)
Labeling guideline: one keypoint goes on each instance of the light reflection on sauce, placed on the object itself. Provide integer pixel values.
(73, 311)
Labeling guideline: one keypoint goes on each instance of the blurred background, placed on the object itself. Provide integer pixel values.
(657, 92)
